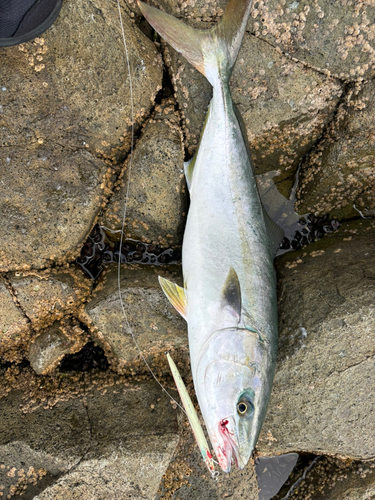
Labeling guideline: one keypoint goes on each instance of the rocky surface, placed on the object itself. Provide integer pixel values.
(14, 326)
(69, 123)
(47, 296)
(96, 445)
(335, 37)
(156, 325)
(326, 355)
(55, 342)
(156, 199)
(339, 175)
(71, 426)
(32, 301)
(357, 483)
(327, 478)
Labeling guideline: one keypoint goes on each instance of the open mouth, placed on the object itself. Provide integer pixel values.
(227, 451)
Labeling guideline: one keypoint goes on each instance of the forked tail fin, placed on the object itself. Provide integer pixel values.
(212, 52)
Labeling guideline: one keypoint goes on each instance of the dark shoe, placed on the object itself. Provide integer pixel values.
(23, 20)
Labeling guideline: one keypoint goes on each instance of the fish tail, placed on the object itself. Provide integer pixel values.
(212, 52)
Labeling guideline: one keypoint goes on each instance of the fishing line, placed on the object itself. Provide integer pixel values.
(124, 214)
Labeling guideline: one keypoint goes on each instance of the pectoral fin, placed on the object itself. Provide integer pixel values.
(176, 296)
(232, 293)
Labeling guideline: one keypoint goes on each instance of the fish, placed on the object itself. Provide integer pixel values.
(229, 294)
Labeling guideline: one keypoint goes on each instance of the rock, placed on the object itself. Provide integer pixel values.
(14, 326)
(334, 37)
(155, 324)
(48, 348)
(69, 123)
(47, 296)
(333, 479)
(285, 105)
(357, 483)
(133, 472)
(197, 11)
(157, 198)
(325, 365)
(107, 443)
(338, 177)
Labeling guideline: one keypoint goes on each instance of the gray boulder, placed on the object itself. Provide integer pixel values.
(156, 205)
(155, 324)
(14, 325)
(107, 443)
(325, 369)
(70, 121)
(338, 177)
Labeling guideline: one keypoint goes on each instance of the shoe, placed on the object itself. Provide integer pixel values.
(23, 20)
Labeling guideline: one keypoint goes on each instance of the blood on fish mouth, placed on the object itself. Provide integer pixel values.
(227, 452)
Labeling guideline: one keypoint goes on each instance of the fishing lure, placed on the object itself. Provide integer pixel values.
(193, 418)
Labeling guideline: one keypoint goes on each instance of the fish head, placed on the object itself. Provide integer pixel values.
(233, 385)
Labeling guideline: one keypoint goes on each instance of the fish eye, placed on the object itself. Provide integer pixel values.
(244, 407)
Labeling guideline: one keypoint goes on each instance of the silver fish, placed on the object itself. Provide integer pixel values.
(229, 294)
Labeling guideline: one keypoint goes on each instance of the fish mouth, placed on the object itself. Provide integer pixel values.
(226, 449)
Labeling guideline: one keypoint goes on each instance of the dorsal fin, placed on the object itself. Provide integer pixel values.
(176, 296)
(232, 293)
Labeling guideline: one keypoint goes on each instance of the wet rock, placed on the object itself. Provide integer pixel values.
(326, 355)
(47, 296)
(48, 348)
(339, 175)
(285, 105)
(157, 198)
(156, 326)
(109, 444)
(70, 119)
(336, 37)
